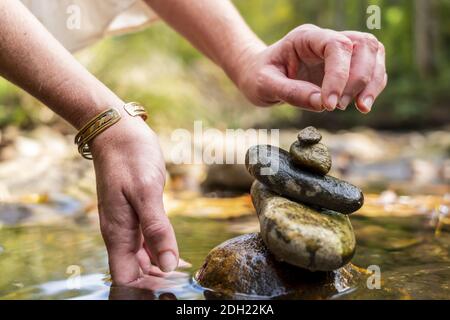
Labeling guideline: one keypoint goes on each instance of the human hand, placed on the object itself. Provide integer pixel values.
(130, 175)
(315, 68)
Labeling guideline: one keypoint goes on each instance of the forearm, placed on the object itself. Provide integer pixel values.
(31, 58)
(214, 27)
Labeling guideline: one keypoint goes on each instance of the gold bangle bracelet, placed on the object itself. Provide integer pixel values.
(134, 109)
(98, 124)
(101, 122)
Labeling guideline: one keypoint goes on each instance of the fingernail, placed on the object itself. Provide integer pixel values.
(167, 261)
(316, 101)
(368, 102)
(345, 101)
(332, 102)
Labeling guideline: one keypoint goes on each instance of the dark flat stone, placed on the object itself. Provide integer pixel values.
(274, 167)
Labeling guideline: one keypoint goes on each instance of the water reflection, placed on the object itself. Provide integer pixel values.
(414, 261)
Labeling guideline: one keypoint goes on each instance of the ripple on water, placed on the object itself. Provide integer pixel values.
(414, 262)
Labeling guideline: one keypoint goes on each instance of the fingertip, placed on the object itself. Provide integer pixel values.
(368, 102)
(361, 108)
(344, 102)
(365, 105)
(333, 101)
(167, 261)
(330, 102)
(315, 100)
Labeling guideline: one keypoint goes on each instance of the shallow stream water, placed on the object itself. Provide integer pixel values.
(42, 262)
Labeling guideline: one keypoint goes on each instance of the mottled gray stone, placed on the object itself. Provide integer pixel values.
(311, 239)
(314, 158)
(309, 135)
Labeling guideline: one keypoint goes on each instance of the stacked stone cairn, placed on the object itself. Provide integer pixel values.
(303, 215)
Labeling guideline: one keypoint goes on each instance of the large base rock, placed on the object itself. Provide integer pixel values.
(312, 239)
(243, 267)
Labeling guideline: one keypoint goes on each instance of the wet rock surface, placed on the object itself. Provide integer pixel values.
(315, 158)
(289, 180)
(244, 267)
(297, 234)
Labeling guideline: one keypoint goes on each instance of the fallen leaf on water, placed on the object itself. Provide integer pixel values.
(36, 198)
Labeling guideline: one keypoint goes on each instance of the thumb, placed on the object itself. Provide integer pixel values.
(298, 93)
(158, 233)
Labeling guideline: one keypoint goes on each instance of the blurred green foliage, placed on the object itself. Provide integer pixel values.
(160, 69)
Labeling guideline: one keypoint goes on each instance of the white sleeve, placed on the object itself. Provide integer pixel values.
(78, 23)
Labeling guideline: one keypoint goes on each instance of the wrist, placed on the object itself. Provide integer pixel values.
(120, 134)
(90, 101)
(237, 67)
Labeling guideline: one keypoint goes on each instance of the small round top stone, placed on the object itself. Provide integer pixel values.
(309, 135)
